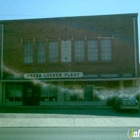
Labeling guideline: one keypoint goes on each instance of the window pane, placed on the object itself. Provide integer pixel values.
(92, 50)
(28, 52)
(79, 51)
(18, 92)
(10, 95)
(49, 93)
(105, 50)
(53, 52)
(41, 52)
(14, 92)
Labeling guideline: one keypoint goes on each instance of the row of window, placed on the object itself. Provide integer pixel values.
(79, 51)
(72, 91)
(14, 92)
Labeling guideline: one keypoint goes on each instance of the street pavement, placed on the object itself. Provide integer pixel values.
(76, 133)
(67, 117)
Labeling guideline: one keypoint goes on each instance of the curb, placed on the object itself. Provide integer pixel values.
(56, 107)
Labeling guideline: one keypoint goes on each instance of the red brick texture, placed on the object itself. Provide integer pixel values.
(117, 28)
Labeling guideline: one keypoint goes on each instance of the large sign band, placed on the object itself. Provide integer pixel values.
(53, 75)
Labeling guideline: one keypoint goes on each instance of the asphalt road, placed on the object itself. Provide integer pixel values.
(103, 133)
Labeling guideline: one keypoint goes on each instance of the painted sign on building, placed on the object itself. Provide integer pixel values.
(53, 75)
(66, 51)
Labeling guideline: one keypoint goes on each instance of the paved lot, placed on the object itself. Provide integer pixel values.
(93, 117)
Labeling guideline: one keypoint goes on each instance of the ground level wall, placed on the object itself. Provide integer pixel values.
(38, 93)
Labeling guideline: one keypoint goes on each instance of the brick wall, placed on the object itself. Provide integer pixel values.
(118, 28)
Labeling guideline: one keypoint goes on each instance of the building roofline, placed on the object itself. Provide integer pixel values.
(51, 18)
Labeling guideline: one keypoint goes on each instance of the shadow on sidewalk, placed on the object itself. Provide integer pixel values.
(73, 111)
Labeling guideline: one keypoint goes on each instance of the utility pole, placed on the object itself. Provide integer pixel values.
(1, 41)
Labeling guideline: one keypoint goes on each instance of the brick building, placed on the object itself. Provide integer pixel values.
(68, 61)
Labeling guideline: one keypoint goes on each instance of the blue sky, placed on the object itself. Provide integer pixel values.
(25, 9)
(22, 9)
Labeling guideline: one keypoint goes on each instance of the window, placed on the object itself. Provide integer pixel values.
(53, 52)
(48, 93)
(28, 52)
(41, 52)
(79, 51)
(105, 50)
(14, 92)
(92, 50)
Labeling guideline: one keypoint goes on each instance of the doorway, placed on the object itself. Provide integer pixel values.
(31, 95)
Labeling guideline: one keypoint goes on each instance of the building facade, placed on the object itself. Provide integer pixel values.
(68, 61)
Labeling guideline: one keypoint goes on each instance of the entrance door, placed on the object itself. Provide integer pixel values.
(31, 95)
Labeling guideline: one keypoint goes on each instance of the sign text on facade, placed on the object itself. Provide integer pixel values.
(54, 75)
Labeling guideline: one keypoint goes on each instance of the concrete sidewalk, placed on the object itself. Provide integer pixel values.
(81, 119)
